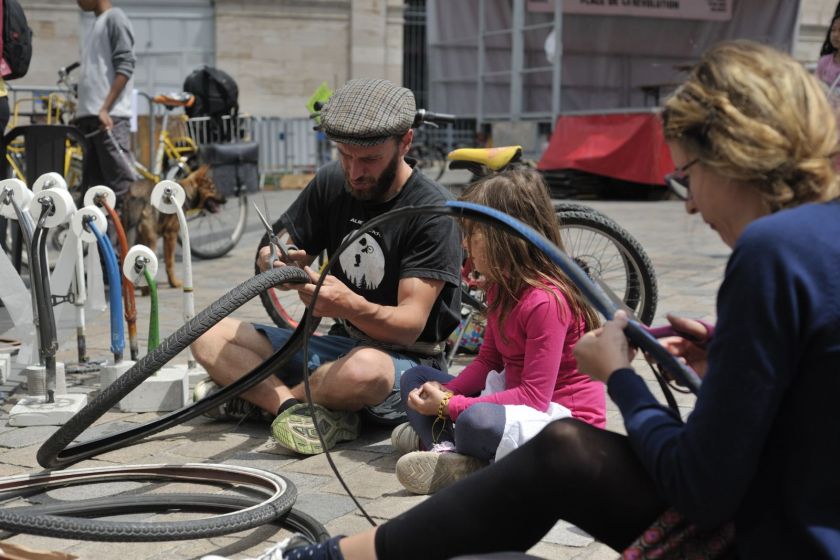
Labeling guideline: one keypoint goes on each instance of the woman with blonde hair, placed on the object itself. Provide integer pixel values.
(752, 472)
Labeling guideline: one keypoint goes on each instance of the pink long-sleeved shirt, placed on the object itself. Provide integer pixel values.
(537, 360)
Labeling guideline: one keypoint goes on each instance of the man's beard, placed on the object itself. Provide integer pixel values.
(383, 184)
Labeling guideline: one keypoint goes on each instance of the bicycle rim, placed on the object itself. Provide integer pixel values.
(215, 232)
(279, 496)
(613, 257)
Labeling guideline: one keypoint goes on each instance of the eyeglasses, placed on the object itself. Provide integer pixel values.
(678, 181)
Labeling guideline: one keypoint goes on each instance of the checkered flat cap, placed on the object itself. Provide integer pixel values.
(367, 112)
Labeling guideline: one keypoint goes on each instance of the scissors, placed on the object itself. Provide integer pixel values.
(274, 241)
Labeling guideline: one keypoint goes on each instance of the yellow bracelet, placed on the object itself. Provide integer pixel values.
(444, 402)
(440, 417)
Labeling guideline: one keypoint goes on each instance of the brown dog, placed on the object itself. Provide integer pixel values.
(147, 223)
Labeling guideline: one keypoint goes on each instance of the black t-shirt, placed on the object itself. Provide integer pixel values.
(420, 246)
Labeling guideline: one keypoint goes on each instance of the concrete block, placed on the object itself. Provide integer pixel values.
(35, 411)
(166, 390)
(5, 366)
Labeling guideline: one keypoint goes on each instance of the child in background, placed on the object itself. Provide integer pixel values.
(828, 66)
(525, 374)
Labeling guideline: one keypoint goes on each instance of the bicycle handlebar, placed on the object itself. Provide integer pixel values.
(427, 117)
(69, 68)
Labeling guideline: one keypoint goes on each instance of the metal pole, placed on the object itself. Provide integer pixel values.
(479, 86)
(557, 63)
(517, 59)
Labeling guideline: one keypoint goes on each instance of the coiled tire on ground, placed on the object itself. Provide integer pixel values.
(294, 520)
(57, 451)
(613, 258)
(240, 515)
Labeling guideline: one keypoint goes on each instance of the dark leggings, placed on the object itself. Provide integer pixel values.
(478, 430)
(570, 470)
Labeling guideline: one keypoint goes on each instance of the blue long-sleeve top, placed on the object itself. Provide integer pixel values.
(762, 445)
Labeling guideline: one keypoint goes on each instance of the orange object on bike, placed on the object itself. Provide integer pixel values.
(179, 99)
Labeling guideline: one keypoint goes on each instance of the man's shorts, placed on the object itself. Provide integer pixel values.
(328, 348)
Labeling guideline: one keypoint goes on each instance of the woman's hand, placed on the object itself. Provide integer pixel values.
(426, 398)
(601, 352)
(691, 347)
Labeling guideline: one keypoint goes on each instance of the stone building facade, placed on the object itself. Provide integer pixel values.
(279, 51)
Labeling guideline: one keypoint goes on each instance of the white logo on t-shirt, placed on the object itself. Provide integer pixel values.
(363, 262)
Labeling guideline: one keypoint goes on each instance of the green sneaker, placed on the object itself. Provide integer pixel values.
(295, 430)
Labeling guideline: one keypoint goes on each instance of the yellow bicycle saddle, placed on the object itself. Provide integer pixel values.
(493, 158)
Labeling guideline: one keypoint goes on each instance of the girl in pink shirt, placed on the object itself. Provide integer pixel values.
(828, 66)
(525, 374)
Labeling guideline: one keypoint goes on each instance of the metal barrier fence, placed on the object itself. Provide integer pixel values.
(289, 145)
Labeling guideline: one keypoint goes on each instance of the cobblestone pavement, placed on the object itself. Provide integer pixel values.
(689, 260)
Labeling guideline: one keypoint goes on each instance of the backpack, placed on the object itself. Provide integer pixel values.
(17, 40)
(216, 93)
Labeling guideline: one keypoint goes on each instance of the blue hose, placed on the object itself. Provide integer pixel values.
(114, 292)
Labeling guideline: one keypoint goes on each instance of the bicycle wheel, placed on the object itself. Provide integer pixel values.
(565, 206)
(279, 496)
(613, 258)
(57, 450)
(216, 228)
(431, 161)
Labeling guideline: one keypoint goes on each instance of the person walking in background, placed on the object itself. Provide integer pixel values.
(524, 375)
(828, 66)
(104, 108)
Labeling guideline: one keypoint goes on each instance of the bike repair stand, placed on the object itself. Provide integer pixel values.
(140, 265)
(104, 198)
(90, 222)
(15, 198)
(168, 197)
(54, 206)
(163, 391)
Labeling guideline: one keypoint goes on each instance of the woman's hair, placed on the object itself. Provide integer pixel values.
(512, 262)
(754, 114)
(827, 47)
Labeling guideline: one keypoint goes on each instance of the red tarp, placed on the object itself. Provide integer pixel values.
(627, 146)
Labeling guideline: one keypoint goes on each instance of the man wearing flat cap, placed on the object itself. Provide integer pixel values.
(395, 291)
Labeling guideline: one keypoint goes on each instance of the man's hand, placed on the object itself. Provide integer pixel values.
(688, 350)
(298, 257)
(426, 398)
(601, 352)
(335, 299)
(105, 119)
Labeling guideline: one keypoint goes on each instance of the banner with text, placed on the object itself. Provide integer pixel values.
(709, 10)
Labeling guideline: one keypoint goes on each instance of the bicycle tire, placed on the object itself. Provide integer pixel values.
(565, 206)
(294, 520)
(214, 233)
(280, 502)
(440, 160)
(57, 450)
(633, 279)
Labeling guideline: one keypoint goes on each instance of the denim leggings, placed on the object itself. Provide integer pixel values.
(479, 428)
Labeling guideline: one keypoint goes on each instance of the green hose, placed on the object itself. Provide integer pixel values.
(154, 331)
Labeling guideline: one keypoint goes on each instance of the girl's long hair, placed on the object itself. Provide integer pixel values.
(514, 263)
(827, 47)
